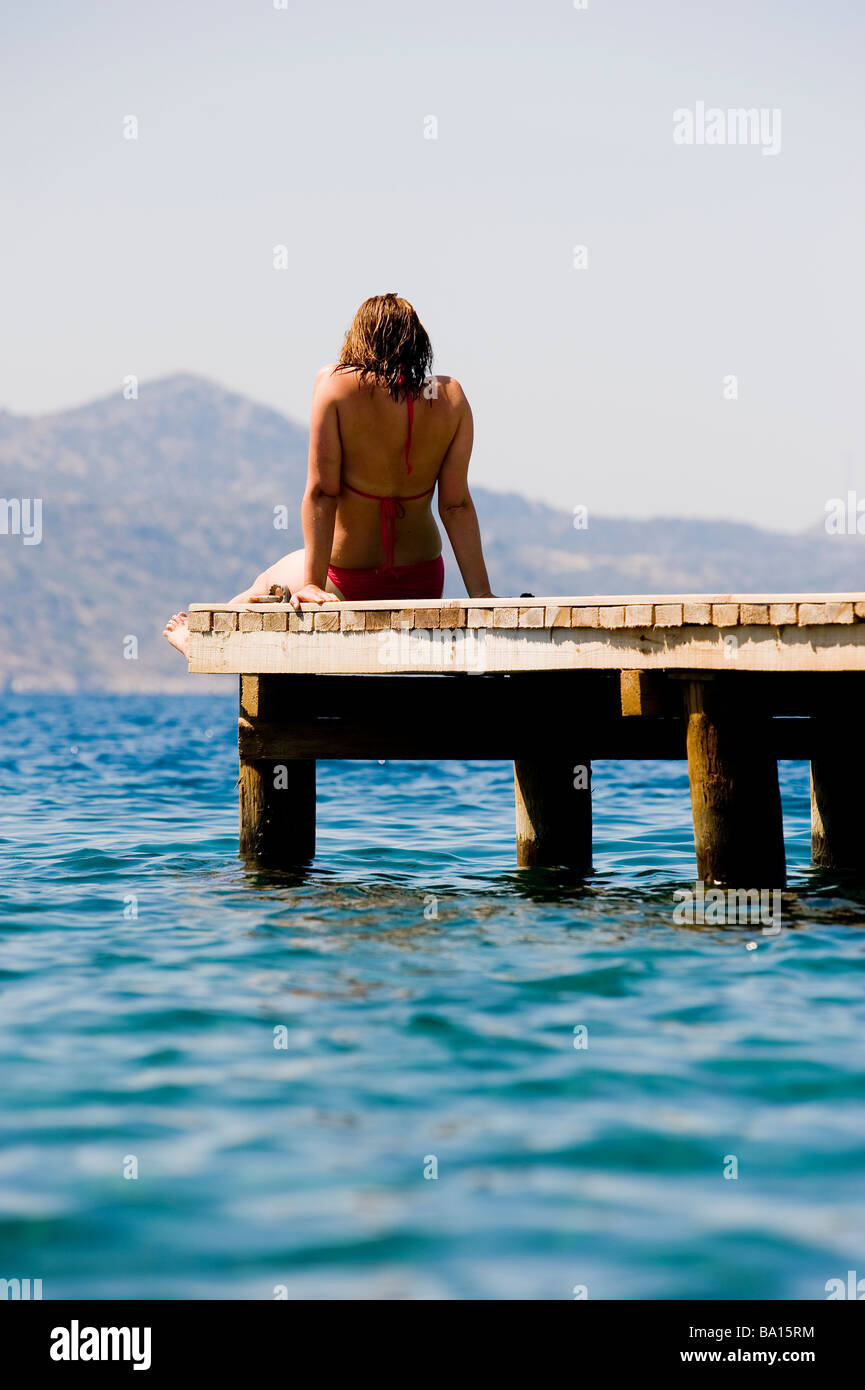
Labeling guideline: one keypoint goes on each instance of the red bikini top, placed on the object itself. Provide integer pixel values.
(391, 508)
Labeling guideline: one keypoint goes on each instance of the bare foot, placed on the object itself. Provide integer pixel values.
(177, 632)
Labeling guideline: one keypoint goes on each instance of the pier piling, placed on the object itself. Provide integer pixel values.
(277, 794)
(735, 799)
(837, 801)
(554, 812)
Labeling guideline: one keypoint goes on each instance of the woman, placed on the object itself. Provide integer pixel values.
(383, 433)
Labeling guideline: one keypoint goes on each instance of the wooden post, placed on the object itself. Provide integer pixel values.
(277, 795)
(837, 804)
(554, 812)
(736, 803)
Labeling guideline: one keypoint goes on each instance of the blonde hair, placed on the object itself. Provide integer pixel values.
(387, 345)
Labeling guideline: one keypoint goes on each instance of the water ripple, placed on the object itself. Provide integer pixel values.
(411, 1071)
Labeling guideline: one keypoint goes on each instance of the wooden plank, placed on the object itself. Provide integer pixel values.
(697, 613)
(831, 647)
(351, 737)
(639, 614)
(785, 693)
(753, 613)
(816, 614)
(479, 617)
(250, 697)
(506, 617)
(376, 622)
(641, 694)
(585, 616)
(426, 694)
(452, 616)
(431, 617)
(782, 614)
(531, 617)
(668, 614)
(725, 614)
(557, 615)
(622, 740)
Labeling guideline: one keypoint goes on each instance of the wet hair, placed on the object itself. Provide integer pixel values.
(387, 345)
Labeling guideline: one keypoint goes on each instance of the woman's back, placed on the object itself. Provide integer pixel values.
(374, 430)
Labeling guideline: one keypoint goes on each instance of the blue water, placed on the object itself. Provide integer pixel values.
(428, 995)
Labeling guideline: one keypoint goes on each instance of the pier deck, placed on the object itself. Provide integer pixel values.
(730, 682)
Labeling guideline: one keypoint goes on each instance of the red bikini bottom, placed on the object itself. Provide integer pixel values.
(424, 580)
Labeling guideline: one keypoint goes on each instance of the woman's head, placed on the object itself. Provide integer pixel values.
(388, 346)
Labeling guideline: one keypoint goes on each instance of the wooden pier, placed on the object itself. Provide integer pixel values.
(730, 682)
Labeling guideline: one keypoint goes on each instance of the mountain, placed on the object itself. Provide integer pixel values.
(153, 503)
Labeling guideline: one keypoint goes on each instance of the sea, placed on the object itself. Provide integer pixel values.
(410, 1071)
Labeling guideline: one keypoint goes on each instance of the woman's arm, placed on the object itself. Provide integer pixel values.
(457, 510)
(318, 509)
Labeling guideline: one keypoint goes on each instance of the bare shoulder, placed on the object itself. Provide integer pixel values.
(329, 383)
(448, 389)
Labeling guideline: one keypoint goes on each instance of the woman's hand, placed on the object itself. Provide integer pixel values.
(311, 593)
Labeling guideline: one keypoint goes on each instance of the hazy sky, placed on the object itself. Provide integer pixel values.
(304, 126)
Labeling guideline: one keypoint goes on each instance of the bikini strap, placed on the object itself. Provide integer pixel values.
(391, 510)
(409, 402)
(398, 497)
